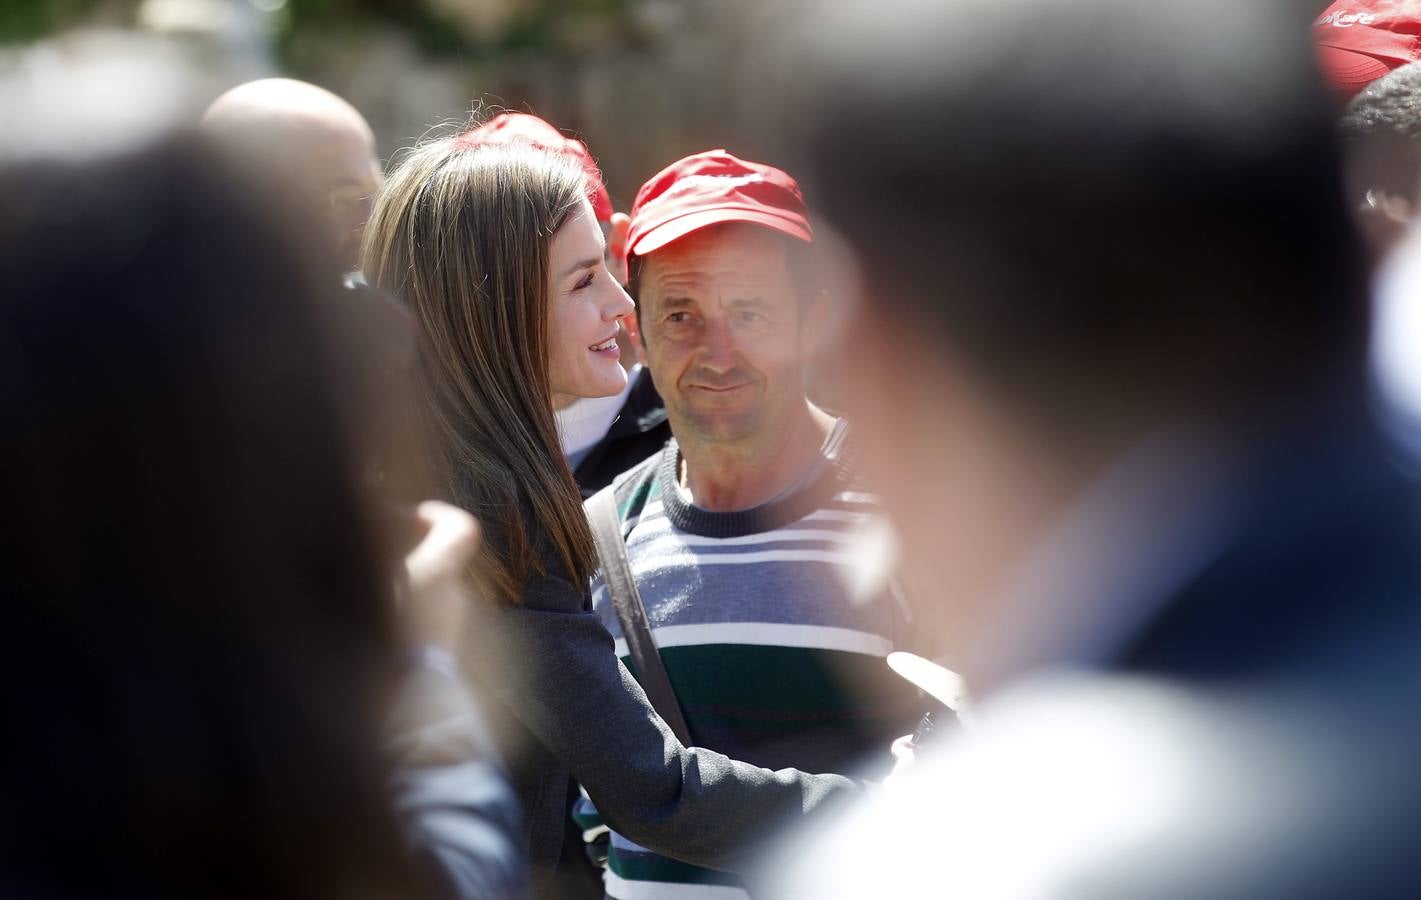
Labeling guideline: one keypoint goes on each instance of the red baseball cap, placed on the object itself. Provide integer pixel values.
(710, 188)
(1362, 40)
(509, 127)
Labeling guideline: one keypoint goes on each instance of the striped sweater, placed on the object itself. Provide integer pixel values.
(776, 657)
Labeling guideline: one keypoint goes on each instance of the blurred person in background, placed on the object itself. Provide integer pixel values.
(209, 693)
(497, 251)
(1381, 133)
(316, 153)
(744, 532)
(601, 436)
(318, 144)
(1109, 277)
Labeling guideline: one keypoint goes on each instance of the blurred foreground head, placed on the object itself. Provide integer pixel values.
(1076, 224)
(1381, 132)
(197, 622)
(1110, 348)
(319, 145)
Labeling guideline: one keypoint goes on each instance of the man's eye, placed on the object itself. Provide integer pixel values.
(678, 317)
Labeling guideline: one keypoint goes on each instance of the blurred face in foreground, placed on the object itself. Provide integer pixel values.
(586, 306)
(963, 485)
(352, 175)
(722, 323)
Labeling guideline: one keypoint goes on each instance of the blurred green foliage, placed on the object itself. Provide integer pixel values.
(28, 20)
(534, 26)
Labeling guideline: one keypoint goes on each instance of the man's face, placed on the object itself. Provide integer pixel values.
(349, 175)
(722, 325)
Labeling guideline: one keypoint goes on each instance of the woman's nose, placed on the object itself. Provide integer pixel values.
(619, 304)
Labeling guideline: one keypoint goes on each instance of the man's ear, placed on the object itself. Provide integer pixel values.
(621, 225)
(1383, 218)
(1393, 206)
(631, 327)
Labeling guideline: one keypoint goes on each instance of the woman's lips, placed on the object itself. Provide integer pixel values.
(608, 346)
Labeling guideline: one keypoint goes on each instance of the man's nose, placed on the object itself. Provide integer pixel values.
(718, 351)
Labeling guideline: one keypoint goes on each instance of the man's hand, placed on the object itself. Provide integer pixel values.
(436, 608)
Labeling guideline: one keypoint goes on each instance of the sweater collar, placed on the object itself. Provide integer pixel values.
(835, 464)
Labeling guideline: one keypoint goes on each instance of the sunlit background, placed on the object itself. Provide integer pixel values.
(643, 81)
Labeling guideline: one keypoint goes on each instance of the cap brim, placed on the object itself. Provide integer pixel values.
(679, 227)
(1349, 71)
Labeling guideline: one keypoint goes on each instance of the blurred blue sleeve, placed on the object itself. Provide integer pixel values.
(462, 824)
(460, 817)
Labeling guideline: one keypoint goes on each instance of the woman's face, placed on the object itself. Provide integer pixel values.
(585, 310)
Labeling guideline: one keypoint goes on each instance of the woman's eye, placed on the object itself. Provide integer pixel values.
(584, 281)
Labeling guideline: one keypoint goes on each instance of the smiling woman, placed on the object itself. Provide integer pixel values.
(496, 250)
(584, 313)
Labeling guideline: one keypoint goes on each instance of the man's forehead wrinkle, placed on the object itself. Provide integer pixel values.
(728, 272)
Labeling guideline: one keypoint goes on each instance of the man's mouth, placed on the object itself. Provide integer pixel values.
(719, 389)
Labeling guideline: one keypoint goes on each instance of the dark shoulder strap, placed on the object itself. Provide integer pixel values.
(612, 552)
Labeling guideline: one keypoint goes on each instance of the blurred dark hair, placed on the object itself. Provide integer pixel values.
(1381, 127)
(1390, 105)
(198, 635)
(1107, 208)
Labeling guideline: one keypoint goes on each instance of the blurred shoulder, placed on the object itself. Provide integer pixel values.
(1098, 786)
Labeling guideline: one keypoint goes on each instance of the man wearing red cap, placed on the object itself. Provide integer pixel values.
(744, 532)
(601, 436)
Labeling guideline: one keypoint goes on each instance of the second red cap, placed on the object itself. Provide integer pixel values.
(509, 127)
(1359, 41)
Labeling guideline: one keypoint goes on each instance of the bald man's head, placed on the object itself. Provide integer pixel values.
(311, 139)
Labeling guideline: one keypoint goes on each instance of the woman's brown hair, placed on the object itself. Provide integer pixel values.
(462, 234)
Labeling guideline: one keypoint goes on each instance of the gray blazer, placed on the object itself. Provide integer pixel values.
(572, 710)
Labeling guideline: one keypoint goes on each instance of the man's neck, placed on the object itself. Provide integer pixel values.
(734, 476)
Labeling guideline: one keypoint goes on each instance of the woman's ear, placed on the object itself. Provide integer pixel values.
(621, 225)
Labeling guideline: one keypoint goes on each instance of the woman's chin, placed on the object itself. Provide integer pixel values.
(614, 384)
(605, 385)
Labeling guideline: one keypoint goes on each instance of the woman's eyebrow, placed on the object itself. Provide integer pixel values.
(587, 263)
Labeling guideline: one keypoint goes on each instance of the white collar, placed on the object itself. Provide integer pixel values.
(587, 419)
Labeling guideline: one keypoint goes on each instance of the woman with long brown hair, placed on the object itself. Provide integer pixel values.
(497, 251)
